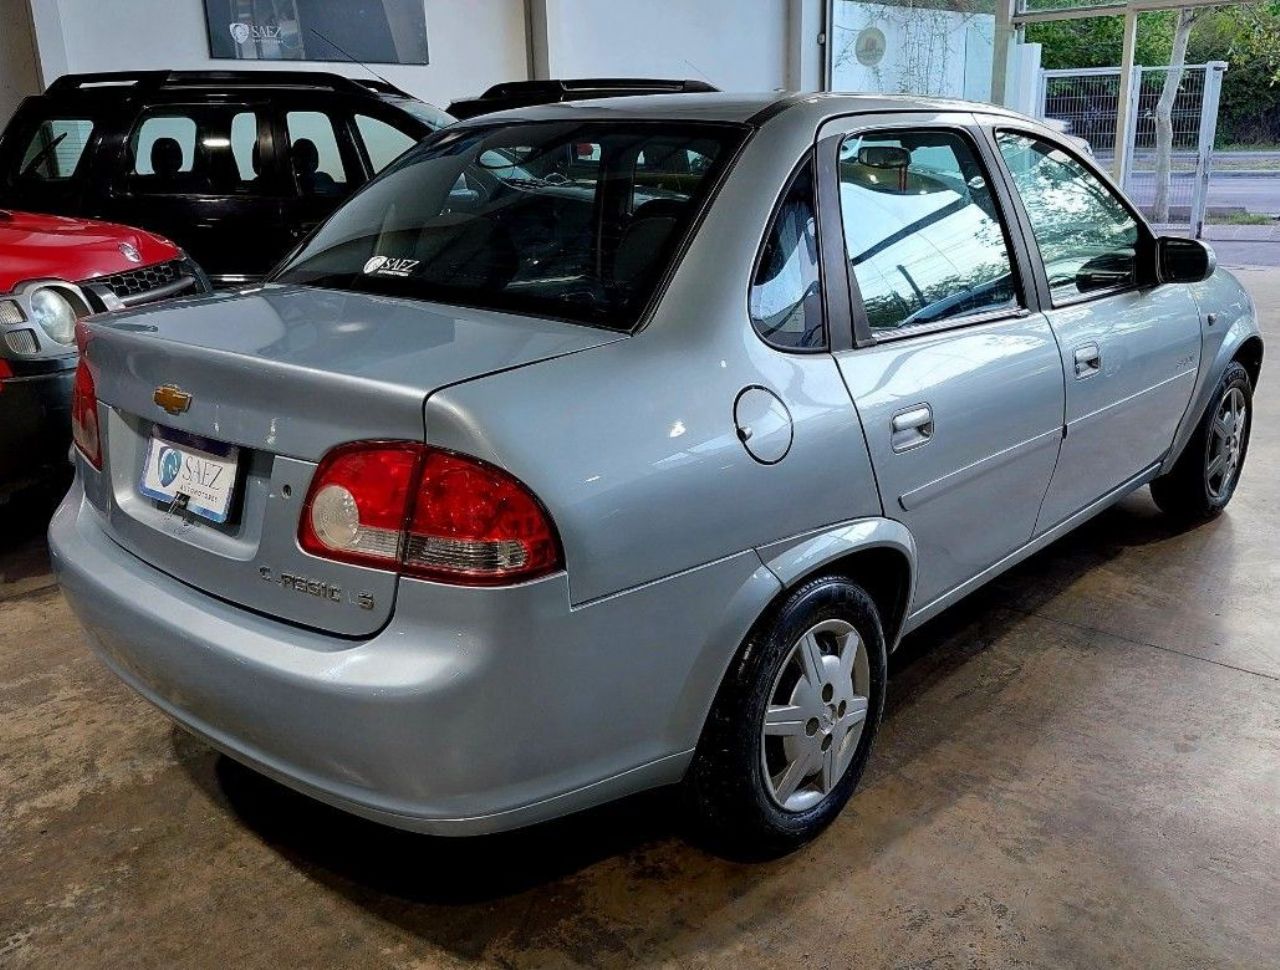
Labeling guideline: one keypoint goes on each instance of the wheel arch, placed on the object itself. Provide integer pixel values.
(877, 553)
(1243, 344)
(1249, 355)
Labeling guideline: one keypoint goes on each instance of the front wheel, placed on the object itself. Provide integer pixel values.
(1205, 476)
(791, 728)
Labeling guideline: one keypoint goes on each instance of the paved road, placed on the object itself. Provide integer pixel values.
(1236, 254)
(1259, 194)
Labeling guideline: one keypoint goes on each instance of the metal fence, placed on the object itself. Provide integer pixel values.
(1168, 182)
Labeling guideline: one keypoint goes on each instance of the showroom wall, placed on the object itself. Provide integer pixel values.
(756, 46)
(19, 74)
(736, 46)
(472, 43)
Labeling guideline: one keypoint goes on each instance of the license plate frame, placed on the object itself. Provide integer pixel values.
(215, 465)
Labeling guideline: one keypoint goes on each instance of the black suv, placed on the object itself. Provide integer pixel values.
(234, 166)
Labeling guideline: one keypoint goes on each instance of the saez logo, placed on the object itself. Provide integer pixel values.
(242, 32)
(390, 266)
(168, 464)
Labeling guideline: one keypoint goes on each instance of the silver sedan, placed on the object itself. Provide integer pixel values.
(598, 447)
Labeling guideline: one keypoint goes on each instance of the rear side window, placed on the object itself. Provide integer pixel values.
(197, 150)
(786, 293)
(546, 218)
(383, 143)
(923, 234)
(314, 154)
(161, 133)
(1088, 239)
(55, 149)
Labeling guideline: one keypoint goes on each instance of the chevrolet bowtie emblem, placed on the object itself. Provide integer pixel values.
(172, 398)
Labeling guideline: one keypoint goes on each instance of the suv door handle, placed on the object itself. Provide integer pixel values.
(1088, 361)
(911, 428)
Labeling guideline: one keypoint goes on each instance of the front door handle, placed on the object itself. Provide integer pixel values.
(1088, 361)
(911, 428)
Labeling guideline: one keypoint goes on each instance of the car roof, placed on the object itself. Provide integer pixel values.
(752, 109)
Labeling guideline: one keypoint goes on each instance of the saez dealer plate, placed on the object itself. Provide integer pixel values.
(202, 470)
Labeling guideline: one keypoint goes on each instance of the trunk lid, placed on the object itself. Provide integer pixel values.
(284, 374)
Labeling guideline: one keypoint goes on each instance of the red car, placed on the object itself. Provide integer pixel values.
(53, 271)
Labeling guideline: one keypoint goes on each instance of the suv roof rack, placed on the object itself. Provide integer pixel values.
(158, 80)
(520, 94)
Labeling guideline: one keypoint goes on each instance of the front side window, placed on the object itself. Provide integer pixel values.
(786, 293)
(1087, 238)
(196, 150)
(516, 217)
(55, 149)
(922, 231)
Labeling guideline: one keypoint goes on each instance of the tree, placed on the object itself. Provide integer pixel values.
(1096, 41)
(1164, 112)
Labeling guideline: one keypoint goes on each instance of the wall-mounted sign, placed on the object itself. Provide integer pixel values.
(870, 46)
(368, 31)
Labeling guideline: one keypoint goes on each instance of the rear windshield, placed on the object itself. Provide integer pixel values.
(570, 220)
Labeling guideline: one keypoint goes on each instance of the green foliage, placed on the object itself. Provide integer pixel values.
(1096, 42)
(1245, 35)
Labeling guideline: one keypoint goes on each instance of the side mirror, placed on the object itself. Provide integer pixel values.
(1184, 260)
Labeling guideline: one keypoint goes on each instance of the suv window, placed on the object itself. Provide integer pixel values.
(922, 231)
(786, 294)
(383, 143)
(1088, 239)
(490, 217)
(198, 149)
(315, 155)
(148, 156)
(55, 149)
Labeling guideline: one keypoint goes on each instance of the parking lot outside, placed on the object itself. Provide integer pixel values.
(1080, 767)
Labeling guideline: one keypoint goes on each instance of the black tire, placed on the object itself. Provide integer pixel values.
(1188, 491)
(735, 805)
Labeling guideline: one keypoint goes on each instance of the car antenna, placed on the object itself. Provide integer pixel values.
(695, 68)
(350, 58)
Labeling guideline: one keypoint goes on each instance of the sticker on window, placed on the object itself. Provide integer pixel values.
(390, 266)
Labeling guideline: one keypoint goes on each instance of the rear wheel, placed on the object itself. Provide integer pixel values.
(1204, 478)
(792, 726)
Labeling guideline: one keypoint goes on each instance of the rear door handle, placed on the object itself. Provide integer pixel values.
(1088, 361)
(912, 428)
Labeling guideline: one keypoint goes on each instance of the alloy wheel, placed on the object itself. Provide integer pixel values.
(816, 713)
(1226, 444)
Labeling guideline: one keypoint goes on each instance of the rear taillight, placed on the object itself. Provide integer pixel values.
(84, 416)
(427, 513)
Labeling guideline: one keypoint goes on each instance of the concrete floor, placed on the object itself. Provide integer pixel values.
(1080, 767)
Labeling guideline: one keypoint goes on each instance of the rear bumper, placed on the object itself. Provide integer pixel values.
(35, 427)
(473, 711)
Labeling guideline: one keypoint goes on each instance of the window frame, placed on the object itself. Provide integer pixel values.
(1144, 248)
(809, 157)
(864, 335)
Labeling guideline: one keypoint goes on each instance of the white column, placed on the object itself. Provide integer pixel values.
(1001, 43)
(808, 38)
(51, 45)
(1123, 130)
